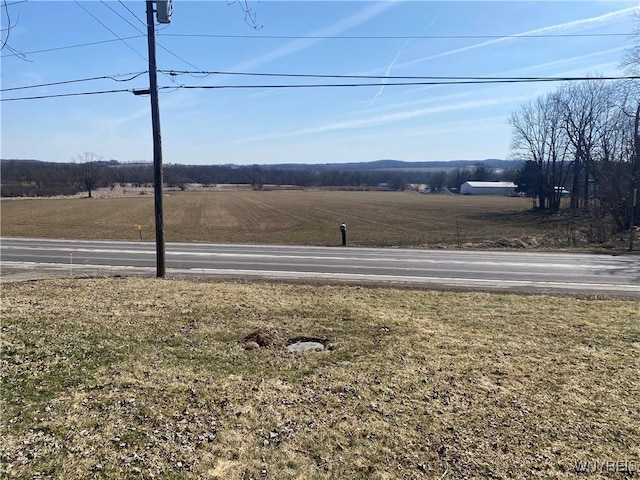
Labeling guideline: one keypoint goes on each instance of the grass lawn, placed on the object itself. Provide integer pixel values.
(143, 378)
(290, 217)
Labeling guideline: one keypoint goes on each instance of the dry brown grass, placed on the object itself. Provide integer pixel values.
(290, 217)
(141, 378)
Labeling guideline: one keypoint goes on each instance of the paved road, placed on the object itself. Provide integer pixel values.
(539, 272)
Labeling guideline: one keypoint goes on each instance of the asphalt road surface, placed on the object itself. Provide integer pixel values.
(490, 270)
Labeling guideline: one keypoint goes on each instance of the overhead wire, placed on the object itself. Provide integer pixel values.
(66, 47)
(112, 32)
(394, 37)
(116, 35)
(132, 76)
(118, 14)
(292, 37)
(477, 81)
(284, 37)
(171, 74)
(141, 31)
(39, 97)
(132, 13)
(406, 77)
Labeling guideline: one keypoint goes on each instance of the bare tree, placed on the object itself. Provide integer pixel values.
(89, 170)
(437, 181)
(586, 134)
(584, 108)
(529, 140)
(538, 138)
(631, 63)
(631, 59)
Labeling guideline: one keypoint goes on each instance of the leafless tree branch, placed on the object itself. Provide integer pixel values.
(6, 33)
(250, 15)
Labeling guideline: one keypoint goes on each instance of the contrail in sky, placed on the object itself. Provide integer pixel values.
(389, 118)
(584, 22)
(389, 71)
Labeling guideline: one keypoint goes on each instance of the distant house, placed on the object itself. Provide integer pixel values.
(488, 188)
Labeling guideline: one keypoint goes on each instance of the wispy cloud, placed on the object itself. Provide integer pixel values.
(583, 69)
(295, 46)
(560, 27)
(566, 61)
(389, 118)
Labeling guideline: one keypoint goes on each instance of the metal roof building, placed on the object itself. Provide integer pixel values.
(488, 188)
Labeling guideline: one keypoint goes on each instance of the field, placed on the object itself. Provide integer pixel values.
(142, 378)
(294, 217)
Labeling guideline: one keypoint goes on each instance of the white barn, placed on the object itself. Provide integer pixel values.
(488, 188)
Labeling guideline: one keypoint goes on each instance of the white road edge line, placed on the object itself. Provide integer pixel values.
(345, 276)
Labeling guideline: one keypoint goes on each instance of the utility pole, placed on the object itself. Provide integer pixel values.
(157, 144)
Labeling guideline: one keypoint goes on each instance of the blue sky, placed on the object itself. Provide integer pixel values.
(305, 125)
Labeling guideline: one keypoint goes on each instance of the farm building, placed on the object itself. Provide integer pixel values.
(488, 188)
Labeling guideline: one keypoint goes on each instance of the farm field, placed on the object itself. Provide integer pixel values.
(292, 217)
(142, 378)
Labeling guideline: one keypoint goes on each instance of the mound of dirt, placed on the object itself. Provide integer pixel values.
(264, 338)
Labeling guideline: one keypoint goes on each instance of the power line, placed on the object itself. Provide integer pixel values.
(80, 45)
(176, 56)
(139, 19)
(66, 95)
(135, 27)
(378, 77)
(64, 82)
(395, 37)
(114, 33)
(392, 84)
(291, 37)
(118, 14)
(117, 36)
(477, 81)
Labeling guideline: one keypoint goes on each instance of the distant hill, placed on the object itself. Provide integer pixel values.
(386, 164)
(399, 165)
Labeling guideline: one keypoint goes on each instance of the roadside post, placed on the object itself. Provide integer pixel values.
(632, 226)
(140, 231)
(343, 231)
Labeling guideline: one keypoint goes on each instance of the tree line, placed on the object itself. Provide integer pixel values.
(583, 138)
(90, 171)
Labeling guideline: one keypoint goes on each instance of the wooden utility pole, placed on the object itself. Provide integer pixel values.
(157, 144)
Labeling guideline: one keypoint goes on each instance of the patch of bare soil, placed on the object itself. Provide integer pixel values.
(264, 338)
